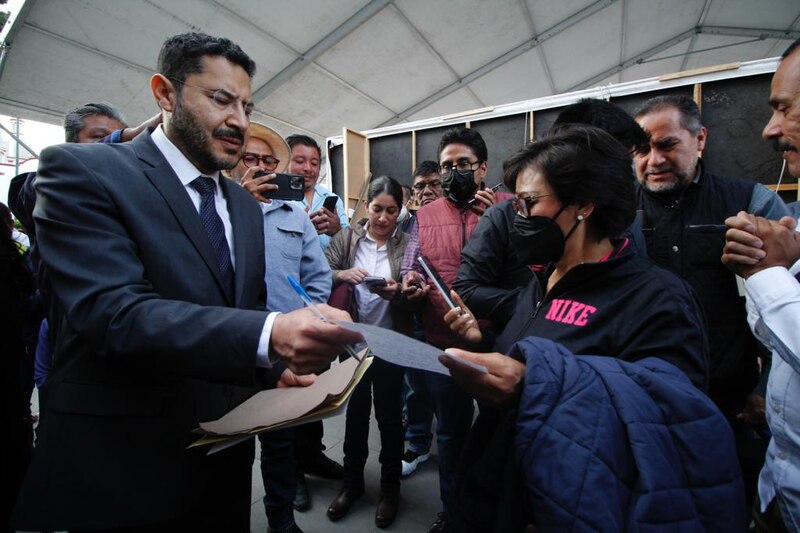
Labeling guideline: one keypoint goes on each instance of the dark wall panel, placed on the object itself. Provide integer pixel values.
(543, 121)
(633, 102)
(336, 157)
(428, 143)
(391, 156)
(734, 112)
(504, 137)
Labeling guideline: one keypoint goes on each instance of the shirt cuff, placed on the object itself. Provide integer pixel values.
(262, 354)
(766, 286)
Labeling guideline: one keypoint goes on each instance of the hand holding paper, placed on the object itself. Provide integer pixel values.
(306, 343)
(500, 384)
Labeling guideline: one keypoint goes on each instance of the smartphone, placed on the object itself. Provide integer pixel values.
(492, 188)
(290, 186)
(437, 280)
(330, 204)
(375, 281)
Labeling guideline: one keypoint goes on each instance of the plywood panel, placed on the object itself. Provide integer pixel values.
(356, 170)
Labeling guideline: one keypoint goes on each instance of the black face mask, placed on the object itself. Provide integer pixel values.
(539, 240)
(459, 187)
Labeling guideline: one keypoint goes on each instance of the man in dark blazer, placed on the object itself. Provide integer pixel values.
(161, 328)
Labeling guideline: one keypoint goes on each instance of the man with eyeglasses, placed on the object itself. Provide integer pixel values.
(443, 228)
(287, 228)
(426, 187)
(159, 265)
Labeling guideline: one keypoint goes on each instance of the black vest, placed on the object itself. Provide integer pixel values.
(686, 236)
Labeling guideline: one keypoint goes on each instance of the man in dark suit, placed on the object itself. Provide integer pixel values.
(160, 276)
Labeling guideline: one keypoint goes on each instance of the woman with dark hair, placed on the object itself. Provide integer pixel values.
(577, 442)
(575, 197)
(374, 249)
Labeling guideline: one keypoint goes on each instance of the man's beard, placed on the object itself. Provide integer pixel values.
(682, 179)
(196, 143)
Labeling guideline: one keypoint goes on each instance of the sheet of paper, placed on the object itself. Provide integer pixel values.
(398, 348)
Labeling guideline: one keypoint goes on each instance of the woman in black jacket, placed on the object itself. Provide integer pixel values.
(575, 196)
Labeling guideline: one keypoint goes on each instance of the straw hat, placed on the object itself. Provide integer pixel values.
(280, 150)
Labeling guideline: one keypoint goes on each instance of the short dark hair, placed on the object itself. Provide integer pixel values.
(583, 164)
(73, 120)
(388, 185)
(182, 55)
(425, 168)
(303, 140)
(608, 117)
(792, 48)
(691, 120)
(466, 136)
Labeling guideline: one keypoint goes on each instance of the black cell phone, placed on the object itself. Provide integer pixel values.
(492, 188)
(330, 204)
(290, 186)
(437, 280)
(375, 281)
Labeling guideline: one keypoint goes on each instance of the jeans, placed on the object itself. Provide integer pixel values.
(420, 412)
(454, 409)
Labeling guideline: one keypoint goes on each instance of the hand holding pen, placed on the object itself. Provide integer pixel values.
(317, 311)
(308, 344)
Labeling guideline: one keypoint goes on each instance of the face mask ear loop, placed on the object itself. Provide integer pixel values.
(574, 226)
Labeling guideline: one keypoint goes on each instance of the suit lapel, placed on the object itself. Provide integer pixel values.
(174, 193)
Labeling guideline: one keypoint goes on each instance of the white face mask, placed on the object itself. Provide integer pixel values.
(403, 215)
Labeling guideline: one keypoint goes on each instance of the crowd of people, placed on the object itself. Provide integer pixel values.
(604, 369)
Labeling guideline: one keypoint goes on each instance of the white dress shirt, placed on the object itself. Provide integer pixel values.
(773, 305)
(372, 309)
(187, 172)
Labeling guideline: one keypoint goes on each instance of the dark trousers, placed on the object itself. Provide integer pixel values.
(307, 442)
(383, 382)
(453, 409)
(278, 470)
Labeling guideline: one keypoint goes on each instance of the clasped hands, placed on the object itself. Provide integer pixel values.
(755, 243)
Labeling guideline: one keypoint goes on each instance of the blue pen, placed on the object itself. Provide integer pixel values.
(310, 304)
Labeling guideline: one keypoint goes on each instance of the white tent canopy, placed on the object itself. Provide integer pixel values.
(324, 64)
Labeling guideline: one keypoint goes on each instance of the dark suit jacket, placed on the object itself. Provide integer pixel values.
(148, 346)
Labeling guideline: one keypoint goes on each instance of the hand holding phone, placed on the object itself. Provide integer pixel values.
(493, 188)
(375, 281)
(290, 186)
(436, 280)
(330, 204)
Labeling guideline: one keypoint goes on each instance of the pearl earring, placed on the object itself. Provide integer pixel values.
(580, 217)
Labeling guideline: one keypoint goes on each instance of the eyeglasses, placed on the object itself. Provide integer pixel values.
(524, 204)
(433, 184)
(223, 99)
(462, 165)
(251, 160)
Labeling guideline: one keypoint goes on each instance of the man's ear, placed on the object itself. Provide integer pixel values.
(701, 139)
(164, 92)
(481, 172)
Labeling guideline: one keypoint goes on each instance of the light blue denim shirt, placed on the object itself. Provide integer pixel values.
(773, 305)
(292, 248)
(320, 193)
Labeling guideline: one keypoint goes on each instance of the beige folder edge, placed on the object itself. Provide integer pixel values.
(286, 407)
